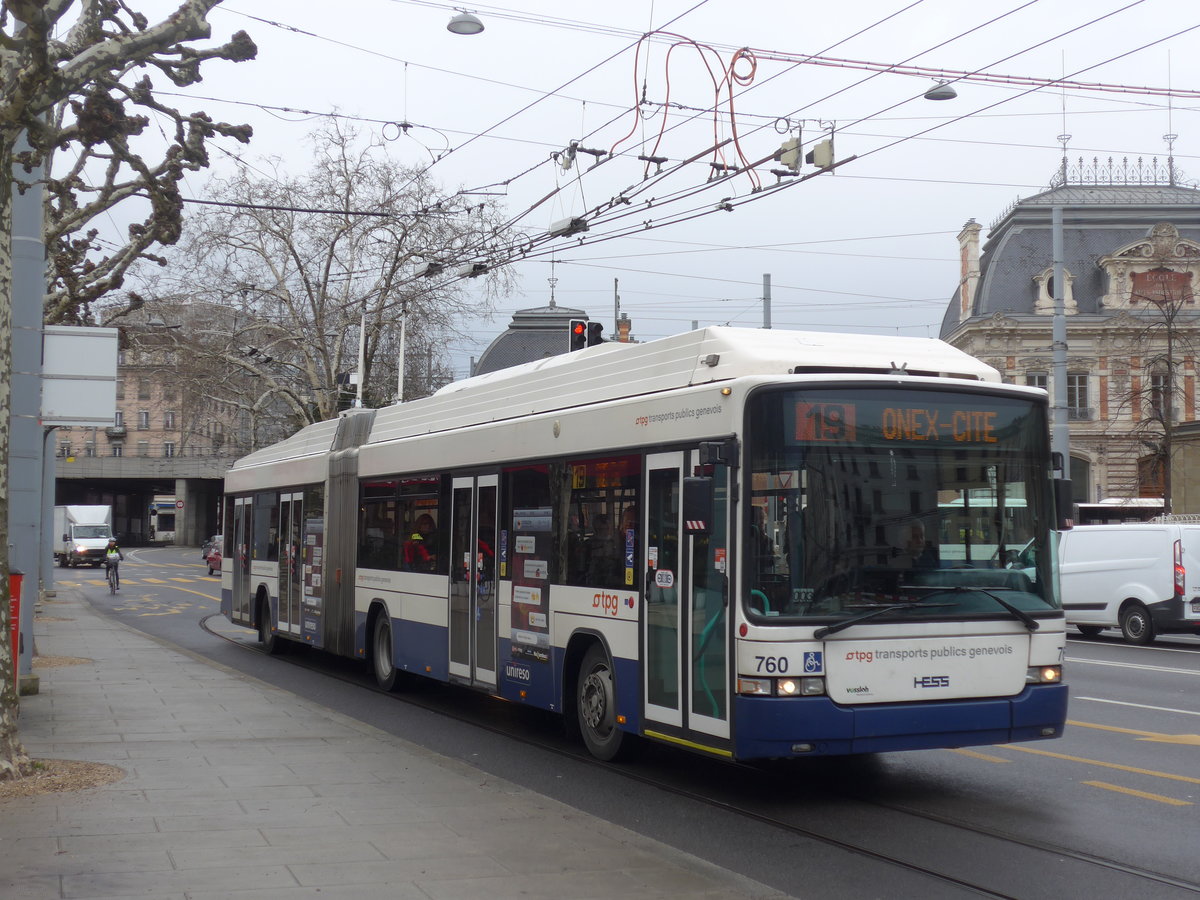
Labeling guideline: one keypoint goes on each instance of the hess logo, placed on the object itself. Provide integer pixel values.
(932, 681)
(610, 603)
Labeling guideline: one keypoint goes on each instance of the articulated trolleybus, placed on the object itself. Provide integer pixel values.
(753, 544)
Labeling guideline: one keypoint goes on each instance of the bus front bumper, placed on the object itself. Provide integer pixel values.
(792, 727)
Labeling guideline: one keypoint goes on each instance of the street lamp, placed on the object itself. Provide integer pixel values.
(464, 23)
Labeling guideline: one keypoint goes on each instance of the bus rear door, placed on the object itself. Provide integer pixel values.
(239, 561)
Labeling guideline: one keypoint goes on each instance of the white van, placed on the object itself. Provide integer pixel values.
(1141, 578)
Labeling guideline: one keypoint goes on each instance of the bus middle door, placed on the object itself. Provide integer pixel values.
(473, 572)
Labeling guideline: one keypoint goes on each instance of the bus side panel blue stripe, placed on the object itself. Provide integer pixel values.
(770, 726)
(419, 645)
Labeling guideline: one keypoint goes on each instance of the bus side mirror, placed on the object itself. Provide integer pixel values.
(1064, 504)
(698, 504)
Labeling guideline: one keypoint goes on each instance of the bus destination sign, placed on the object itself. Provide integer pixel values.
(883, 423)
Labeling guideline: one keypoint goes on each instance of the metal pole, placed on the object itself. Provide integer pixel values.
(616, 308)
(362, 357)
(1060, 437)
(766, 301)
(27, 447)
(400, 363)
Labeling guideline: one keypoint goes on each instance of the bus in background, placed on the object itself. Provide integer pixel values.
(748, 543)
(162, 519)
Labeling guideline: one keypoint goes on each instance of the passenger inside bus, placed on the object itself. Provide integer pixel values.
(919, 552)
(420, 548)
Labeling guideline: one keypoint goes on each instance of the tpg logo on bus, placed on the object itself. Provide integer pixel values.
(610, 603)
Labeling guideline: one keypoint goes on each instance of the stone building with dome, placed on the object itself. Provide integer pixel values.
(1131, 261)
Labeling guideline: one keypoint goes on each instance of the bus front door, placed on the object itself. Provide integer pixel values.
(473, 573)
(685, 625)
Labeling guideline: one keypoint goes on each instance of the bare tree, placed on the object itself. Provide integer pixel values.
(299, 274)
(72, 74)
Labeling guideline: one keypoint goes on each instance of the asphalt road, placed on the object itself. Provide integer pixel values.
(1122, 786)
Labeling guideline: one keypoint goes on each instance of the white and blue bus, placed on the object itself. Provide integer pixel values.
(748, 543)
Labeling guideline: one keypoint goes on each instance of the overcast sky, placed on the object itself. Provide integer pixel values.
(872, 247)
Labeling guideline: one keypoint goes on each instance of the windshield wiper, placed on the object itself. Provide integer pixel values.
(872, 613)
(1030, 623)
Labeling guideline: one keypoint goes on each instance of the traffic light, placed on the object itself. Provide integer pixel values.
(594, 332)
(578, 331)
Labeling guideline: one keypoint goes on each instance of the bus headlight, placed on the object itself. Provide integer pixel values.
(782, 687)
(760, 687)
(1043, 675)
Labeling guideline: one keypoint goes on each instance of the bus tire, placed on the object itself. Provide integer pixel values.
(1136, 625)
(387, 676)
(1090, 630)
(271, 642)
(595, 707)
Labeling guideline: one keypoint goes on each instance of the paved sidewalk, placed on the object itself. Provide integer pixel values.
(237, 789)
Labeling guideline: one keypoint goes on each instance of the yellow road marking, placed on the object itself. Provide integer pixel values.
(1156, 736)
(153, 581)
(1158, 798)
(986, 757)
(184, 580)
(1106, 765)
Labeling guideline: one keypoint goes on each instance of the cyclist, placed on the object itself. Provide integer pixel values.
(112, 560)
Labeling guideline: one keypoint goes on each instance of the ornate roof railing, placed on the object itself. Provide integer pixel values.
(1112, 172)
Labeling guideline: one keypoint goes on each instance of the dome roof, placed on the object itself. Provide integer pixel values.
(533, 334)
(1098, 220)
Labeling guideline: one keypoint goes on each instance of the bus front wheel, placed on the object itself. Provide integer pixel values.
(596, 706)
(387, 676)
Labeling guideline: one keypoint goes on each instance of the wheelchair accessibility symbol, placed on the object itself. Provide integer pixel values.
(813, 662)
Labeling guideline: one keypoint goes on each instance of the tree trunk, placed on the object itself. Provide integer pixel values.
(14, 762)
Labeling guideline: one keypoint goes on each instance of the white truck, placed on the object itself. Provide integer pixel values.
(81, 533)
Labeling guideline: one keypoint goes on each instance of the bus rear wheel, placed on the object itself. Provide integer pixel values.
(387, 676)
(271, 642)
(1136, 625)
(596, 707)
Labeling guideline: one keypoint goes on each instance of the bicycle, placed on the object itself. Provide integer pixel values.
(114, 579)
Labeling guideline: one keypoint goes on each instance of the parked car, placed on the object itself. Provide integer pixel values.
(213, 557)
(1142, 578)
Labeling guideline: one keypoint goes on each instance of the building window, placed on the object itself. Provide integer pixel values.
(143, 420)
(118, 419)
(89, 448)
(120, 389)
(143, 448)
(1160, 396)
(168, 449)
(64, 448)
(1038, 380)
(169, 420)
(143, 389)
(1077, 396)
(116, 449)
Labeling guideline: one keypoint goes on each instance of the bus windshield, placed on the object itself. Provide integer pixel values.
(862, 498)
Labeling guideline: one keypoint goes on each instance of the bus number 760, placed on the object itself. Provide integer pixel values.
(772, 665)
